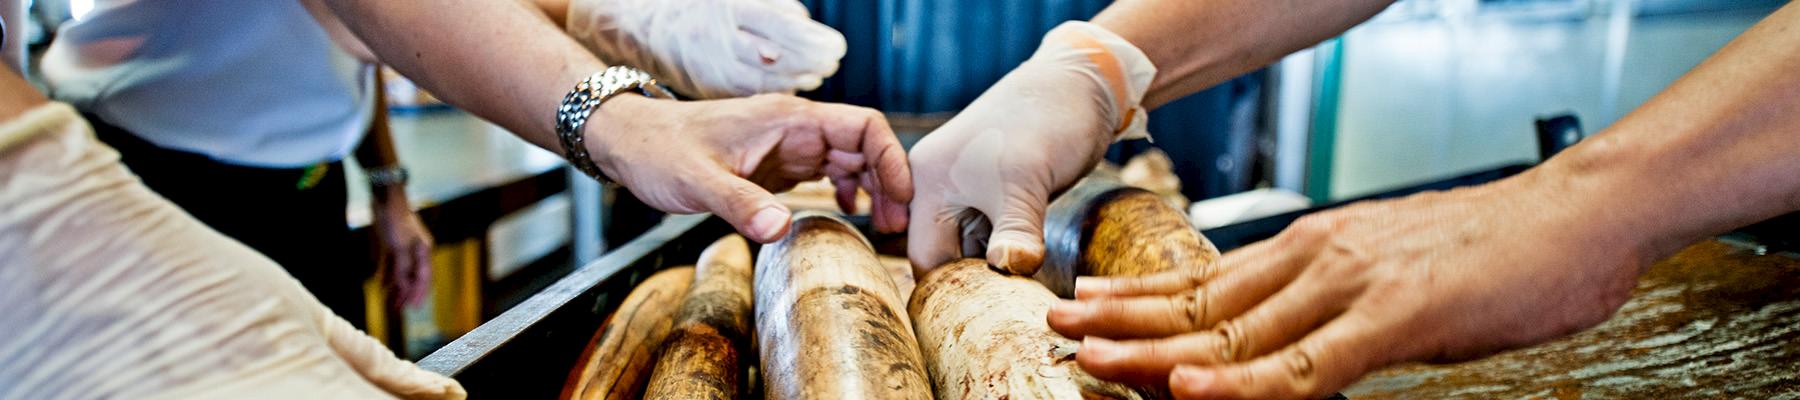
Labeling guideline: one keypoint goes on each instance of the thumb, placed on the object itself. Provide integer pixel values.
(374, 362)
(1017, 242)
(749, 208)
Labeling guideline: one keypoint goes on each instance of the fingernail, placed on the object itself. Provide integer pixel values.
(1097, 348)
(1088, 287)
(1067, 311)
(769, 222)
(1014, 259)
(1190, 380)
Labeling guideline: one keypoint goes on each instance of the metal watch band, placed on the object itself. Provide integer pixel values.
(392, 175)
(587, 96)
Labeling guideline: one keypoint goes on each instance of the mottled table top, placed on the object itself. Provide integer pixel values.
(1710, 322)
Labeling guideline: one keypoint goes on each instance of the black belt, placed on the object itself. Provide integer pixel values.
(136, 151)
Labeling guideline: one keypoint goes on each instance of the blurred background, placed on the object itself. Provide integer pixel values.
(1429, 89)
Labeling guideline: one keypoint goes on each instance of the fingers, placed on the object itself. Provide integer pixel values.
(845, 162)
(1137, 317)
(889, 215)
(421, 276)
(379, 366)
(750, 209)
(757, 53)
(790, 7)
(846, 193)
(1017, 244)
(400, 264)
(1205, 302)
(808, 48)
(1275, 323)
(932, 235)
(863, 144)
(1327, 360)
(864, 132)
(1166, 282)
(801, 153)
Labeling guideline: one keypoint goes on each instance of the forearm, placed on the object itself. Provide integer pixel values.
(501, 60)
(377, 148)
(16, 96)
(1196, 44)
(1719, 149)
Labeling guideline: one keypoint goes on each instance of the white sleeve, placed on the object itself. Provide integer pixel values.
(110, 291)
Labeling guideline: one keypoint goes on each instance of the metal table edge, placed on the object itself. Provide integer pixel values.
(490, 336)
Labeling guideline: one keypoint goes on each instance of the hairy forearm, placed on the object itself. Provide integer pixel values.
(1196, 44)
(1719, 149)
(501, 60)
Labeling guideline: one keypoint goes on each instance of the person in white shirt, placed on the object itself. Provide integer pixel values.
(112, 291)
(241, 112)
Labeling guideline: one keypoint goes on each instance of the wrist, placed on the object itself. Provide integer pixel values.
(589, 100)
(1122, 72)
(389, 197)
(613, 119)
(389, 175)
(1602, 190)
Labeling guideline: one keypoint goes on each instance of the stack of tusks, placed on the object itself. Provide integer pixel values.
(830, 322)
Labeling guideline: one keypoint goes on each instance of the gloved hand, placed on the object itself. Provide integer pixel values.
(1040, 128)
(110, 291)
(711, 49)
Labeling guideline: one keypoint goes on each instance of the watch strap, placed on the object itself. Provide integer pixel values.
(579, 105)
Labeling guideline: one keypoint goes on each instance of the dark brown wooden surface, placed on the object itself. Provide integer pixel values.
(1710, 322)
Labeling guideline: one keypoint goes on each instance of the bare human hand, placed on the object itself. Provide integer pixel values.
(1461, 274)
(403, 248)
(725, 156)
(1433, 277)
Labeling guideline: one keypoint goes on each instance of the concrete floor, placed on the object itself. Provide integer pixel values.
(1429, 97)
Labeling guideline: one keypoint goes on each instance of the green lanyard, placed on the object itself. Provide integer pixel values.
(310, 177)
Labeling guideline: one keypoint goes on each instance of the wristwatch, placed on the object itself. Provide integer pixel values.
(392, 175)
(587, 96)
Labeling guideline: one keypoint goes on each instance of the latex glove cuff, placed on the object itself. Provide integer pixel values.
(1110, 60)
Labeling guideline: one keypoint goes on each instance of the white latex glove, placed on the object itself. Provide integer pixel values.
(711, 49)
(1044, 125)
(110, 291)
